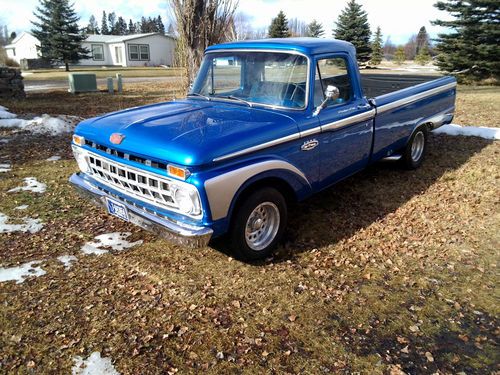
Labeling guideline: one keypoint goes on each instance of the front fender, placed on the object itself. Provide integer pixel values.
(223, 190)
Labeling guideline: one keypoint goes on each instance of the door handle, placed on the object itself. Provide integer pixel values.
(364, 106)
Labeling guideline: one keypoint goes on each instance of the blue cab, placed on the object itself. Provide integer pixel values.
(266, 123)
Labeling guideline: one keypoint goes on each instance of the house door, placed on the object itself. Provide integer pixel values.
(118, 55)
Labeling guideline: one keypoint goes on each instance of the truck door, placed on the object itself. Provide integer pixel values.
(346, 123)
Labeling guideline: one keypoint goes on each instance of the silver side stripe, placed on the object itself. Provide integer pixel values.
(262, 146)
(365, 116)
(331, 126)
(416, 97)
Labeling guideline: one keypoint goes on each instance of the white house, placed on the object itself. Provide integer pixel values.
(24, 46)
(150, 49)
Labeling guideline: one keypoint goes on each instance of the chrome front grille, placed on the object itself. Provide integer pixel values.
(141, 184)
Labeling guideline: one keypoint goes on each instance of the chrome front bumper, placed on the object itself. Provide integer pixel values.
(180, 233)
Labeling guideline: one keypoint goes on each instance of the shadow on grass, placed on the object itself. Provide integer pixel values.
(355, 203)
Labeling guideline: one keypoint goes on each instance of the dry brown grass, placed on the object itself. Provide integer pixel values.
(388, 270)
(478, 106)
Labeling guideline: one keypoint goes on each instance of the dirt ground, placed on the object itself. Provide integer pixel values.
(389, 271)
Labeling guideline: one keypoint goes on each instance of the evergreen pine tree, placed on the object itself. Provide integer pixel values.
(144, 25)
(377, 52)
(400, 56)
(121, 26)
(58, 32)
(475, 41)
(423, 56)
(279, 27)
(315, 29)
(92, 27)
(160, 25)
(113, 27)
(422, 40)
(352, 26)
(131, 27)
(104, 24)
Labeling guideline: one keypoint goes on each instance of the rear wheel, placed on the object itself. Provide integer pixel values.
(258, 224)
(415, 150)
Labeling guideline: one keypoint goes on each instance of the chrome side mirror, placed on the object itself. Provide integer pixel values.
(331, 93)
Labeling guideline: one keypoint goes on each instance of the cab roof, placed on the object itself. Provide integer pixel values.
(308, 46)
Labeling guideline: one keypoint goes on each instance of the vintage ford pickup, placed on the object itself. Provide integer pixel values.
(266, 123)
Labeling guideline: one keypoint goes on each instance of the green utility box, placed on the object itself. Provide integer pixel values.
(82, 82)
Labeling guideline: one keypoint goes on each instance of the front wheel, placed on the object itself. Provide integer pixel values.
(258, 224)
(415, 150)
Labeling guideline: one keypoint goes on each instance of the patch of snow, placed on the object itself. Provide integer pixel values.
(67, 260)
(20, 273)
(30, 225)
(21, 207)
(4, 140)
(93, 365)
(54, 158)
(43, 124)
(30, 184)
(5, 168)
(469, 131)
(5, 114)
(116, 241)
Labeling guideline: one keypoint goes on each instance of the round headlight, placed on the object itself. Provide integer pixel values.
(80, 159)
(184, 201)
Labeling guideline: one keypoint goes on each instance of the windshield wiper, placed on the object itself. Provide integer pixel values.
(199, 95)
(233, 98)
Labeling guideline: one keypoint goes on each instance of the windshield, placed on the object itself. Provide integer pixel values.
(269, 78)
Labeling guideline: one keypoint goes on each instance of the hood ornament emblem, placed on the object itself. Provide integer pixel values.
(116, 138)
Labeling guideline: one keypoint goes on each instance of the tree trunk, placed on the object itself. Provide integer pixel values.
(67, 66)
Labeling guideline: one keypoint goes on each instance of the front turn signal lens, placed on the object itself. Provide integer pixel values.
(174, 171)
(78, 140)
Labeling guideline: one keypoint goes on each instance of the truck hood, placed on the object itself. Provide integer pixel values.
(188, 132)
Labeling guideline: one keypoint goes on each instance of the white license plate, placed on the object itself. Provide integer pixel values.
(117, 209)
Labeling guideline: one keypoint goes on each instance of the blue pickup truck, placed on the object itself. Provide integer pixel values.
(266, 123)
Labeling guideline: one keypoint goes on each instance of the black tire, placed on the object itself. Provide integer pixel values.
(412, 158)
(265, 199)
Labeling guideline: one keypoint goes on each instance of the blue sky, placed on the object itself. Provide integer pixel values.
(397, 18)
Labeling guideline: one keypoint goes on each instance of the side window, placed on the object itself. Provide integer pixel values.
(332, 71)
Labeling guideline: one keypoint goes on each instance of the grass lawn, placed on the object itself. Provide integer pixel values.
(61, 74)
(388, 271)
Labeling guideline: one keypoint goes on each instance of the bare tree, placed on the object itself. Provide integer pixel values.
(241, 27)
(411, 47)
(297, 27)
(200, 23)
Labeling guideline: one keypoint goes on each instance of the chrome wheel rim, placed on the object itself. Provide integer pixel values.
(262, 226)
(417, 147)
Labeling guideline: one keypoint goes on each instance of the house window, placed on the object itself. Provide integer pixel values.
(97, 52)
(138, 52)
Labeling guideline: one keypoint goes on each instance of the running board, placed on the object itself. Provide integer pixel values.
(395, 157)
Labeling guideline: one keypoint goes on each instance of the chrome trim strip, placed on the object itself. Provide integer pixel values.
(318, 129)
(183, 234)
(222, 189)
(290, 52)
(414, 98)
(272, 143)
(349, 121)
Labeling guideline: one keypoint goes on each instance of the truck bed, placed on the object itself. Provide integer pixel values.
(379, 84)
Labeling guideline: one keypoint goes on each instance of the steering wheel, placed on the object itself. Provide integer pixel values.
(296, 91)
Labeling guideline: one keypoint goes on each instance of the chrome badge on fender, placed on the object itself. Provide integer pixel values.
(309, 145)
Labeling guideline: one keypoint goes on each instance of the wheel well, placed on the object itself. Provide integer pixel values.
(282, 186)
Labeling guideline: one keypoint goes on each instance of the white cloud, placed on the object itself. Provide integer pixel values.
(397, 18)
